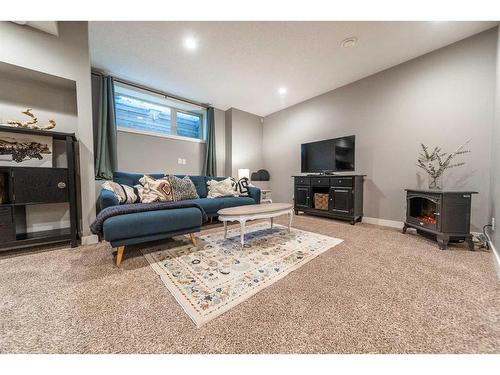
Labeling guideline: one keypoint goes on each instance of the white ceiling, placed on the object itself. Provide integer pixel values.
(242, 64)
(50, 27)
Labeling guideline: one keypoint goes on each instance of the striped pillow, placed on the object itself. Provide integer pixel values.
(124, 193)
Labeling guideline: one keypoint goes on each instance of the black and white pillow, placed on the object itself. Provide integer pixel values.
(182, 188)
(241, 186)
(124, 193)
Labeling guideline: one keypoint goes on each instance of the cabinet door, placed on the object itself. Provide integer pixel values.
(7, 231)
(341, 201)
(302, 197)
(40, 185)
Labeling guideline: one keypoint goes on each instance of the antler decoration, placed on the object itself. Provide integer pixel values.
(33, 123)
(427, 160)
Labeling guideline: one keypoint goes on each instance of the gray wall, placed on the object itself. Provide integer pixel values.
(48, 100)
(244, 132)
(442, 98)
(65, 56)
(150, 154)
(495, 157)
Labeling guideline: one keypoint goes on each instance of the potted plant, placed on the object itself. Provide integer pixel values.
(437, 161)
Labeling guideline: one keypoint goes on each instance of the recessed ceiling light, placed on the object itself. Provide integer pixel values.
(282, 91)
(190, 43)
(349, 42)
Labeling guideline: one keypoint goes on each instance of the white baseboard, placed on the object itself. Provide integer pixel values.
(48, 225)
(90, 240)
(383, 222)
(496, 255)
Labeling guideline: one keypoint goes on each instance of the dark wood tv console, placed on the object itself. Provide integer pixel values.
(345, 196)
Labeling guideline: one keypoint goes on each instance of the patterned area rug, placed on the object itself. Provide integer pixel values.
(218, 274)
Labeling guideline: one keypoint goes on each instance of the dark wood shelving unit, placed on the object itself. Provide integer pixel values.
(25, 186)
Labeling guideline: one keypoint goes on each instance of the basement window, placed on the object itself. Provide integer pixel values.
(144, 112)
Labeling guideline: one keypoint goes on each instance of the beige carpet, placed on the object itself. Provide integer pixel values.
(378, 292)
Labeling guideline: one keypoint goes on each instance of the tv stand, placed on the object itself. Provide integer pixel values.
(344, 193)
(321, 174)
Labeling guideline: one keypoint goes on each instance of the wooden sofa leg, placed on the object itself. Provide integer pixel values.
(193, 238)
(119, 255)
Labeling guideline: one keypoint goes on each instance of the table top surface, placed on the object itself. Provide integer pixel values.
(255, 209)
(438, 191)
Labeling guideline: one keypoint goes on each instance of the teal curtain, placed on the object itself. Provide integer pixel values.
(210, 165)
(105, 131)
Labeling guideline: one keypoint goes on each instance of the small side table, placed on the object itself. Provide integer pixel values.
(265, 196)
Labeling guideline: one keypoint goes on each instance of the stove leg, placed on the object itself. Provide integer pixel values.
(470, 242)
(405, 227)
(443, 241)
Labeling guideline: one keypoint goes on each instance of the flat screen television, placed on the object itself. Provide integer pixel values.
(330, 155)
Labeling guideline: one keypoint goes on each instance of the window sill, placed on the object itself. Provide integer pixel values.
(169, 136)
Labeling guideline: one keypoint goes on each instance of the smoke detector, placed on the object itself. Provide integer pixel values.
(349, 42)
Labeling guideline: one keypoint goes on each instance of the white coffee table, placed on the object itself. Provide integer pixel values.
(254, 212)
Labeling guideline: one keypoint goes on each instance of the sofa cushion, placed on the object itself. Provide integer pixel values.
(150, 223)
(200, 183)
(236, 201)
(107, 199)
(212, 205)
(132, 179)
(217, 178)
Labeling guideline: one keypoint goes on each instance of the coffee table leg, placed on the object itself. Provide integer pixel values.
(290, 217)
(242, 232)
(271, 223)
(225, 229)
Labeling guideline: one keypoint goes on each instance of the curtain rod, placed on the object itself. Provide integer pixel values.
(165, 94)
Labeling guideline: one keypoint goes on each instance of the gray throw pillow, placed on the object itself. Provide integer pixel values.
(182, 188)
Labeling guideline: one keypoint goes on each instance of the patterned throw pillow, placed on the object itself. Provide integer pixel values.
(124, 193)
(182, 188)
(155, 190)
(224, 188)
(241, 186)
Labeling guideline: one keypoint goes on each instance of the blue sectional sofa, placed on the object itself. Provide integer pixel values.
(135, 228)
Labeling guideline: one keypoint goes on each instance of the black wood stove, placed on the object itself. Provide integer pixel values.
(440, 213)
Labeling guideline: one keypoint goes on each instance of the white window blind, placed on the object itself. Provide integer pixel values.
(145, 112)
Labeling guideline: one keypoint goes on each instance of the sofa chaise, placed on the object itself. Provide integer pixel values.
(130, 229)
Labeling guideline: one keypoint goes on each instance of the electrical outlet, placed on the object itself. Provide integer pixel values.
(184, 161)
(492, 223)
(179, 161)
